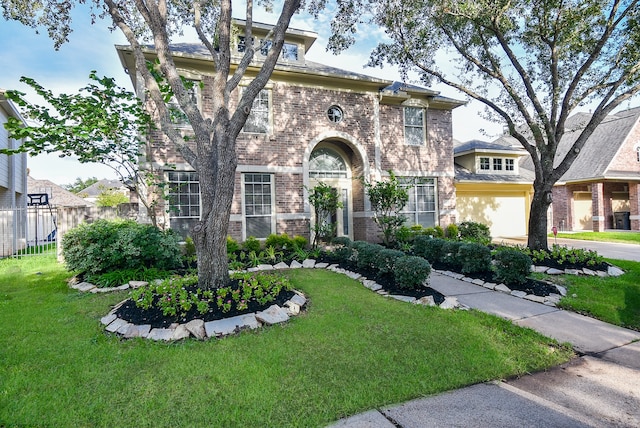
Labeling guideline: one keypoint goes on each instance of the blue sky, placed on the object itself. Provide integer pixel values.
(91, 47)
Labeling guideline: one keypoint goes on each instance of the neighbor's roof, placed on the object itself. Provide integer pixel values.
(601, 148)
(479, 146)
(96, 188)
(524, 176)
(58, 196)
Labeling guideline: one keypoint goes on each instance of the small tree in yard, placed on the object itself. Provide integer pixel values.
(531, 63)
(388, 198)
(325, 201)
(213, 150)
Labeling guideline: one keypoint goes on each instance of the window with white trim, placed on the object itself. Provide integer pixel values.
(258, 121)
(177, 115)
(414, 129)
(485, 164)
(326, 163)
(184, 200)
(497, 164)
(509, 165)
(258, 204)
(421, 208)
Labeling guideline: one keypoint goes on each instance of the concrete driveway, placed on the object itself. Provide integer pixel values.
(610, 250)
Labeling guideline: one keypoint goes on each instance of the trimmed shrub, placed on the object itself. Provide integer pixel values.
(280, 242)
(232, 245)
(511, 266)
(429, 248)
(341, 241)
(474, 232)
(343, 253)
(251, 244)
(300, 242)
(452, 232)
(386, 260)
(107, 245)
(450, 255)
(411, 272)
(366, 254)
(474, 258)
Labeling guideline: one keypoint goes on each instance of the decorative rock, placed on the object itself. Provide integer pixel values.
(489, 285)
(137, 331)
(477, 281)
(602, 274)
(308, 263)
(573, 271)
(161, 334)
(291, 308)
(230, 325)
(84, 286)
(518, 293)
(123, 329)
(181, 332)
(425, 301)
(467, 279)
(122, 287)
(298, 299)
(115, 325)
(614, 271)
(371, 285)
(503, 288)
(95, 290)
(589, 272)
(138, 284)
(108, 319)
(561, 290)
(407, 299)
(281, 265)
(332, 267)
(321, 265)
(264, 267)
(554, 271)
(455, 275)
(353, 275)
(382, 292)
(103, 290)
(295, 265)
(272, 315)
(196, 328)
(534, 298)
(449, 303)
(539, 269)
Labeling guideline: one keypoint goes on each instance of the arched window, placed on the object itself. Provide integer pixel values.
(326, 163)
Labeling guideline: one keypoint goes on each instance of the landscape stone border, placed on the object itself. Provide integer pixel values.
(274, 314)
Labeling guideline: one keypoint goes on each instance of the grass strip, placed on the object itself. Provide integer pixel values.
(622, 237)
(352, 351)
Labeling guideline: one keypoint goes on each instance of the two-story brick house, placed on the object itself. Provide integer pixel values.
(315, 123)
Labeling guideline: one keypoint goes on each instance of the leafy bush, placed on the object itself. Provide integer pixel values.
(474, 232)
(177, 296)
(341, 240)
(450, 255)
(366, 253)
(474, 258)
(565, 256)
(300, 242)
(404, 235)
(280, 242)
(232, 245)
(342, 253)
(429, 248)
(251, 244)
(452, 232)
(108, 245)
(411, 272)
(386, 260)
(511, 266)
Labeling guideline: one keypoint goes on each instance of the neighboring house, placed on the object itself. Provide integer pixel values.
(13, 185)
(92, 192)
(314, 123)
(492, 187)
(57, 196)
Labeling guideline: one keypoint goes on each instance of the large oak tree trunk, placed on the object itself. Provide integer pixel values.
(538, 218)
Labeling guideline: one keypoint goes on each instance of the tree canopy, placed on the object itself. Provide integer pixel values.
(531, 63)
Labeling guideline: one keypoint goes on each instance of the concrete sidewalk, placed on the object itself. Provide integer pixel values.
(601, 388)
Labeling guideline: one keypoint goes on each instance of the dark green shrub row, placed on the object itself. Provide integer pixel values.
(466, 231)
(108, 245)
(511, 266)
(411, 272)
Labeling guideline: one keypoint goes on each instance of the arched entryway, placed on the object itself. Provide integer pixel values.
(329, 163)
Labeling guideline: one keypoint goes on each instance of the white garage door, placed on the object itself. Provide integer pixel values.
(583, 211)
(505, 214)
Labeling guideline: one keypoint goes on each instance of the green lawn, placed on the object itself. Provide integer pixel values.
(623, 237)
(352, 351)
(614, 300)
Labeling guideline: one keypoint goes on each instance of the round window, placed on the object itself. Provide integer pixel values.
(335, 114)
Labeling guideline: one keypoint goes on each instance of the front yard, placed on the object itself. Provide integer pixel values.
(352, 351)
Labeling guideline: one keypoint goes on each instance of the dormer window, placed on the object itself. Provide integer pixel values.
(484, 164)
(290, 52)
(508, 165)
(497, 164)
(487, 164)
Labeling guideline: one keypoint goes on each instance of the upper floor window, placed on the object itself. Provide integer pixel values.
(177, 115)
(638, 153)
(497, 164)
(258, 120)
(484, 164)
(509, 165)
(290, 51)
(414, 129)
(183, 194)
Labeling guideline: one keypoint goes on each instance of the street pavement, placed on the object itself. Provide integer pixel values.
(599, 388)
(611, 250)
